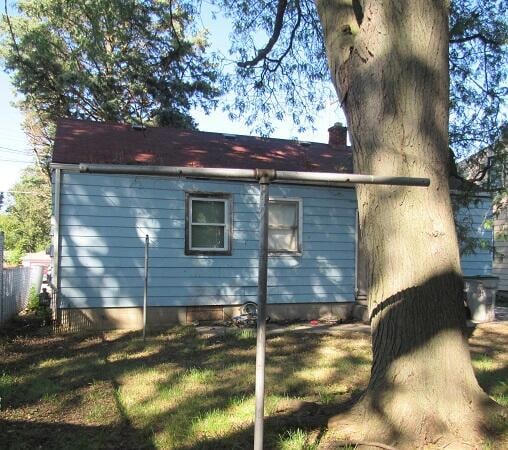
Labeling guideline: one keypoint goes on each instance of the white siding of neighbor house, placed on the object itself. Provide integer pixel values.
(478, 216)
(500, 264)
(104, 220)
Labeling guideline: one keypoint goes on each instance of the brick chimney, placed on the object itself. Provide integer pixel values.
(337, 136)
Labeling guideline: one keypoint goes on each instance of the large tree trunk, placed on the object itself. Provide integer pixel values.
(389, 63)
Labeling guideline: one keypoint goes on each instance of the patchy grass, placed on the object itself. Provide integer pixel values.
(178, 390)
(296, 440)
(489, 346)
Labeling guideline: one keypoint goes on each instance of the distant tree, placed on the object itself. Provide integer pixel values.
(26, 222)
(134, 61)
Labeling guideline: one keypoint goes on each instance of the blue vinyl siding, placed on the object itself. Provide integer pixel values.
(104, 220)
(479, 262)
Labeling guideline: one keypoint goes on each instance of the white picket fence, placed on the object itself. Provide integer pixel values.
(15, 286)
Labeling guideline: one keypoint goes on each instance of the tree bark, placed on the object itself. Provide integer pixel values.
(389, 64)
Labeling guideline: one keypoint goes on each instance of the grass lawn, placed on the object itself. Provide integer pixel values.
(178, 390)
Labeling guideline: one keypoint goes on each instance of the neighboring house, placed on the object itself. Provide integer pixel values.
(203, 233)
(500, 263)
(41, 259)
(489, 171)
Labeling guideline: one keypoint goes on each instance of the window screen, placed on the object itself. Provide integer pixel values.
(284, 226)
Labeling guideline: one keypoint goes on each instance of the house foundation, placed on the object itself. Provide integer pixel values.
(81, 319)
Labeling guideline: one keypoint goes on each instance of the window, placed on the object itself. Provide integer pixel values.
(208, 224)
(285, 226)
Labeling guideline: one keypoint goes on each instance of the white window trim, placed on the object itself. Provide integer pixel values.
(209, 197)
(300, 227)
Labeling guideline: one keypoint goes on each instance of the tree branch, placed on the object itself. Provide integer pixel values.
(11, 31)
(472, 37)
(171, 20)
(291, 38)
(279, 20)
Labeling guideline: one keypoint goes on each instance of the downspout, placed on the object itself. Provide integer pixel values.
(357, 229)
(55, 282)
(1, 277)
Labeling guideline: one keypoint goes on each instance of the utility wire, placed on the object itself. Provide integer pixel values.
(16, 161)
(17, 150)
(22, 192)
(10, 154)
(11, 138)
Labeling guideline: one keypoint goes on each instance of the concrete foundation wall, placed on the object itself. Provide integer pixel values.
(163, 317)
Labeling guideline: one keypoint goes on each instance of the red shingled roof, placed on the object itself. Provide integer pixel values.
(79, 141)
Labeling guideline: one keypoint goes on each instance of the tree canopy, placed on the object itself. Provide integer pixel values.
(283, 68)
(134, 61)
(478, 74)
(145, 61)
(26, 221)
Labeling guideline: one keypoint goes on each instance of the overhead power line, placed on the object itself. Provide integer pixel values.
(15, 150)
(22, 192)
(11, 139)
(16, 161)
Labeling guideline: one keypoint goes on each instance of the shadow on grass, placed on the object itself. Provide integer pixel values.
(176, 390)
(22, 435)
(489, 344)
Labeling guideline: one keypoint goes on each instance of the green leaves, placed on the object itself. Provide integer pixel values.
(292, 81)
(26, 223)
(121, 60)
(478, 83)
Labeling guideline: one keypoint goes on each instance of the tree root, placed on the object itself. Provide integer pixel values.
(409, 425)
(336, 444)
(363, 426)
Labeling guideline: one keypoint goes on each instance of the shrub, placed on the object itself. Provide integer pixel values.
(33, 300)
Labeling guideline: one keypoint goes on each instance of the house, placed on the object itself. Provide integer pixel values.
(500, 263)
(39, 259)
(489, 171)
(203, 233)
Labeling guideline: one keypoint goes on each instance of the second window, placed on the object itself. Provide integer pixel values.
(284, 226)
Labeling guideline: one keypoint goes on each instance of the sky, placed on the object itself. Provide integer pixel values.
(15, 153)
(14, 148)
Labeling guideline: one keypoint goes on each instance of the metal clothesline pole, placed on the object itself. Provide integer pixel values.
(145, 287)
(264, 195)
(264, 177)
(251, 174)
